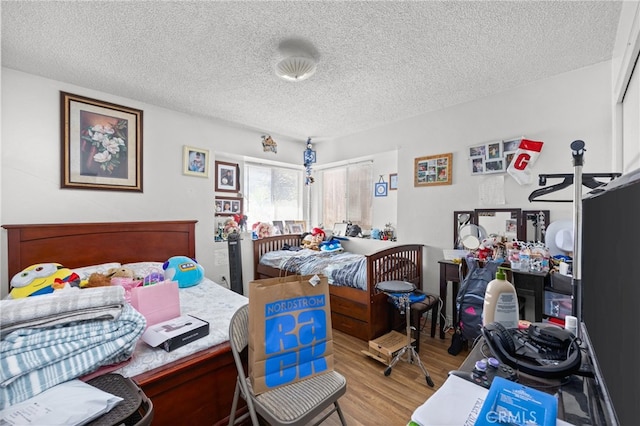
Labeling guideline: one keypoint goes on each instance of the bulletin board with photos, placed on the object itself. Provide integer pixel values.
(433, 170)
(492, 157)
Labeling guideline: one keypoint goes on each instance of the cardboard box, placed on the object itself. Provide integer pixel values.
(384, 348)
(176, 332)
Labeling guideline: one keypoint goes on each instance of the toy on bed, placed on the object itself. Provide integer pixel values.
(113, 276)
(186, 271)
(153, 278)
(314, 239)
(332, 245)
(42, 278)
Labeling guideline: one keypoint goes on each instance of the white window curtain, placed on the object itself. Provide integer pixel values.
(347, 195)
(272, 193)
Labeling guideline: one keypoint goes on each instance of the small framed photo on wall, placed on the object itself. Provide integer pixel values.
(477, 165)
(393, 181)
(494, 166)
(195, 162)
(511, 145)
(494, 150)
(478, 151)
(227, 177)
(227, 206)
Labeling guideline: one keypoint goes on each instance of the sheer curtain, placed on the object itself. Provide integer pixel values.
(347, 195)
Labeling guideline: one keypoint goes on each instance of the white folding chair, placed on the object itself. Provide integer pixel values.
(295, 404)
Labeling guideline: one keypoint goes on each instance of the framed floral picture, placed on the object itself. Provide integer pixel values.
(433, 170)
(227, 177)
(101, 144)
(227, 206)
(195, 162)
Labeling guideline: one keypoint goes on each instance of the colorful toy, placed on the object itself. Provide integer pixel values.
(331, 245)
(186, 271)
(262, 229)
(153, 278)
(319, 233)
(312, 242)
(42, 278)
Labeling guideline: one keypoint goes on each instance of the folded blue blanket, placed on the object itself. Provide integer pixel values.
(34, 360)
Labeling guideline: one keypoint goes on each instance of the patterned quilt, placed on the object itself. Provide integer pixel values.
(340, 268)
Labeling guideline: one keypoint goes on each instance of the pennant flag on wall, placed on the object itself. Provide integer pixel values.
(526, 155)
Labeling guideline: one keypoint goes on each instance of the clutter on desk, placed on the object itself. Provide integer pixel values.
(528, 257)
(511, 403)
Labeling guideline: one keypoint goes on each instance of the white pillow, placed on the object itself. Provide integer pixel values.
(142, 269)
(85, 271)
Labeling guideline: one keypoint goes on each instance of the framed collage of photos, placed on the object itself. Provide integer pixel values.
(492, 157)
(433, 170)
(227, 206)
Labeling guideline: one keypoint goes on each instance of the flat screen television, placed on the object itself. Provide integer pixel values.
(611, 290)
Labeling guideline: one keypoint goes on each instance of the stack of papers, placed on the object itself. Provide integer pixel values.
(70, 403)
(460, 402)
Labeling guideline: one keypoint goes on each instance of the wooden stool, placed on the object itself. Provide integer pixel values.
(418, 309)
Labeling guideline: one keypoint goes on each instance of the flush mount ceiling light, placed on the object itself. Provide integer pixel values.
(296, 68)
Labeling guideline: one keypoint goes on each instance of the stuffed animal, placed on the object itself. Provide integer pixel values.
(186, 271)
(42, 278)
(319, 233)
(120, 273)
(262, 230)
(312, 242)
(96, 279)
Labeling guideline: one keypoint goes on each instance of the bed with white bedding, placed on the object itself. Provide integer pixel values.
(193, 384)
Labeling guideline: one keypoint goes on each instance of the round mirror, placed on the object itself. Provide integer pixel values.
(471, 236)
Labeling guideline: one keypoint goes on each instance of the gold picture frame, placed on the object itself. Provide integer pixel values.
(101, 145)
(433, 170)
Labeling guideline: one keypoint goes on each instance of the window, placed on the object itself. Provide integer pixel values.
(272, 193)
(347, 195)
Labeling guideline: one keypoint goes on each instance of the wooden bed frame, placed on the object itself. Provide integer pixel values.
(197, 389)
(362, 314)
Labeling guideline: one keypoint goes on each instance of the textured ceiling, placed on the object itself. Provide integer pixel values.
(378, 62)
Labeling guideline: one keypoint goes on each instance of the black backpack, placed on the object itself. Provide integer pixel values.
(470, 298)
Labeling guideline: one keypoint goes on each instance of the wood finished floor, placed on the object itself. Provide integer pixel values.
(375, 399)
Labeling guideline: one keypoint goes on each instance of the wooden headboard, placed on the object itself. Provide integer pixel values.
(81, 244)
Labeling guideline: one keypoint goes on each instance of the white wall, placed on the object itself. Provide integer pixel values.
(557, 111)
(31, 164)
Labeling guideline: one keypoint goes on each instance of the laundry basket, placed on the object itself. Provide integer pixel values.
(135, 408)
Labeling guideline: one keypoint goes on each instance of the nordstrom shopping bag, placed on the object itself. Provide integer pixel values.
(157, 302)
(290, 336)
